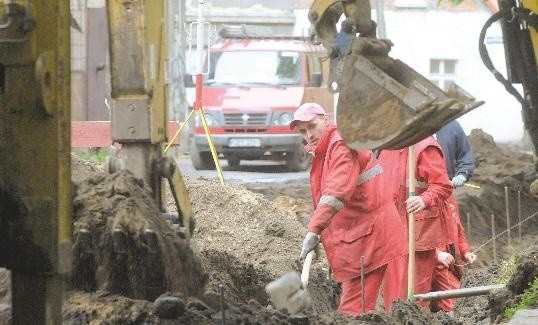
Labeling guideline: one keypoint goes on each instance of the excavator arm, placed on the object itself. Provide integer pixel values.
(383, 103)
(35, 127)
(519, 24)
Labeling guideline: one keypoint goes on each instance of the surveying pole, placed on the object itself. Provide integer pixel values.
(198, 105)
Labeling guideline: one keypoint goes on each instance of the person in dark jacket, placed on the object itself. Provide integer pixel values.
(458, 153)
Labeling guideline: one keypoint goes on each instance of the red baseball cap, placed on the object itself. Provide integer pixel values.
(306, 112)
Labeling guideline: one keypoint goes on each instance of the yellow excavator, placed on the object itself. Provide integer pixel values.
(35, 128)
(383, 103)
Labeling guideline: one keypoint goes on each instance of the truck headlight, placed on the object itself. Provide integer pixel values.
(283, 118)
(210, 118)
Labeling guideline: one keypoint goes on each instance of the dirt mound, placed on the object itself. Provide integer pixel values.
(497, 168)
(5, 296)
(122, 245)
(251, 234)
(526, 272)
(82, 169)
(472, 310)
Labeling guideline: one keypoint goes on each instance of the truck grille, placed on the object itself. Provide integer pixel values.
(245, 119)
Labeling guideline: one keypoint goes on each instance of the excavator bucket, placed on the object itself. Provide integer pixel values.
(385, 104)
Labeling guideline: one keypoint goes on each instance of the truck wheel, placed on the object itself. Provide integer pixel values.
(233, 163)
(200, 160)
(299, 160)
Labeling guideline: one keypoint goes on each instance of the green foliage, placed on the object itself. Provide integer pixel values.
(507, 269)
(530, 296)
(93, 154)
(454, 2)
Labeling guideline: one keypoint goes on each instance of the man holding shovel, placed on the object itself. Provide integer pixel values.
(354, 216)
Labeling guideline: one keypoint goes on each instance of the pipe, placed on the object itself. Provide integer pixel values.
(458, 293)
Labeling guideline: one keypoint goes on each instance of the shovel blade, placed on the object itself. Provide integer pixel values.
(286, 293)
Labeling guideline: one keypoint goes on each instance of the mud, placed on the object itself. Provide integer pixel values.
(497, 168)
(122, 245)
(525, 273)
(246, 237)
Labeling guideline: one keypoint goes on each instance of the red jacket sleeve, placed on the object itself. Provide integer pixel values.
(463, 244)
(340, 181)
(431, 169)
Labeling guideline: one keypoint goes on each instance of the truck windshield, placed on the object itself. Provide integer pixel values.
(255, 68)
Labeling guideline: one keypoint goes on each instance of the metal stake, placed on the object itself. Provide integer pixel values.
(519, 212)
(221, 291)
(507, 216)
(493, 238)
(362, 285)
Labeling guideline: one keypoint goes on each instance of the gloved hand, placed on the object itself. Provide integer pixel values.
(470, 257)
(310, 242)
(414, 204)
(459, 180)
(445, 258)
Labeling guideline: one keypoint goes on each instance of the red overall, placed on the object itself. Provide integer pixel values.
(449, 278)
(433, 186)
(354, 217)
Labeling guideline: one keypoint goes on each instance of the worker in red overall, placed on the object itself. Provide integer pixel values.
(450, 258)
(429, 206)
(353, 215)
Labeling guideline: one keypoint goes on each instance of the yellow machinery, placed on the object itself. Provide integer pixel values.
(383, 103)
(35, 191)
(139, 114)
(35, 128)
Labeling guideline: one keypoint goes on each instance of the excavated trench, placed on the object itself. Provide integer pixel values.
(131, 267)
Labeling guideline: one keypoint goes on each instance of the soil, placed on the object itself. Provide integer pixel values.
(524, 275)
(131, 267)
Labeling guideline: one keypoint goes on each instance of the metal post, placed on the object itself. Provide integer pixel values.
(519, 212)
(507, 216)
(221, 289)
(362, 286)
(493, 238)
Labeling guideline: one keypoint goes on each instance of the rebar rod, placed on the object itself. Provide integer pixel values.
(519, 212)
(506, 201)
(493, 237)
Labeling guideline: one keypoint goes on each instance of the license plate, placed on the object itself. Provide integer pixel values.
(244, 142)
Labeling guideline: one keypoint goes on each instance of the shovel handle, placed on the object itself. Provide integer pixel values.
(306, 268)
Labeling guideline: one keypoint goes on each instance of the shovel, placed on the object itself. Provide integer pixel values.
(289, 291)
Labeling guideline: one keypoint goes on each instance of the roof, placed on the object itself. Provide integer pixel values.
(267, 44)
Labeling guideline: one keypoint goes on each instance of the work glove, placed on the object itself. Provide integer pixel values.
(459, 180)
(310, 242)
(445, 258)
(414, 204)
(470, 257)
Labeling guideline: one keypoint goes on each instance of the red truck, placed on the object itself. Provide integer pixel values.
(253, 87)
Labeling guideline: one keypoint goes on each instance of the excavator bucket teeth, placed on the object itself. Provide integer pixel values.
(385, 104)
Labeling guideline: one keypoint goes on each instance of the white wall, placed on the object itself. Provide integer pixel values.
(420, 35)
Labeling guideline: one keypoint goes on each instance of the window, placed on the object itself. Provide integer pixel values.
(443, 72)
(255, 68)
